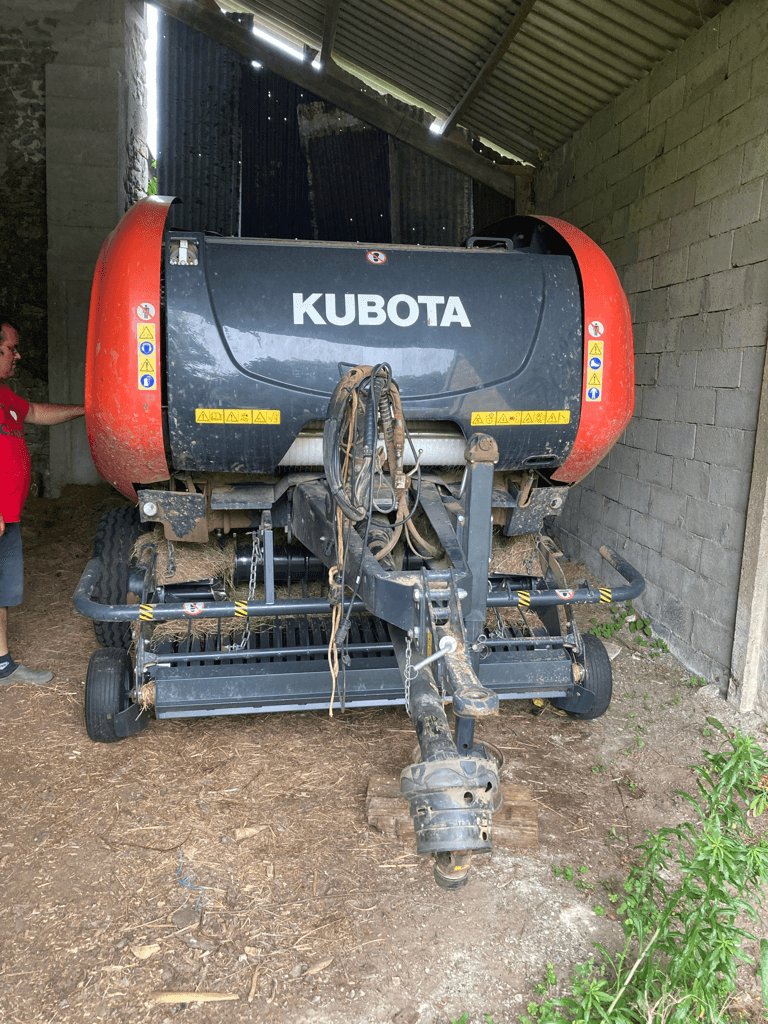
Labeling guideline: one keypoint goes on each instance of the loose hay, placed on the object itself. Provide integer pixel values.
(516, 555)
(179, 629)
(193, 561)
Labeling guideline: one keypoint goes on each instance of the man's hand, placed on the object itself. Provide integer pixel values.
(42, 414)
(2, 526)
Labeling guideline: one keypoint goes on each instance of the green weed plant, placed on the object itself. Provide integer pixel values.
(639, 627)
(680, 906)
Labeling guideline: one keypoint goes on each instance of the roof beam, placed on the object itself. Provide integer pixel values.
(355, 99)
(489, 67)
(329, 29)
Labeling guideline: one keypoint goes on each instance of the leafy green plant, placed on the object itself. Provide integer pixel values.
(680, 904)
(657, 647)
(695, 682)
(550, 979)
(605, 630)
(152, 183)
(640, 625)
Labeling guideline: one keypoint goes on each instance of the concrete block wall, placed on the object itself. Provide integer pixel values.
(670, 179)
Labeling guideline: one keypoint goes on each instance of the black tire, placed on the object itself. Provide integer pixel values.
(116, 534)
(598, 677)
(107, 692)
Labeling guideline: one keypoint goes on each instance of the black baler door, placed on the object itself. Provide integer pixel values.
(261, 331)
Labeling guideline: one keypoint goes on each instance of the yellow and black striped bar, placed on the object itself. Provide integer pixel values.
(605, 595)
(146, 612)
(241, 609)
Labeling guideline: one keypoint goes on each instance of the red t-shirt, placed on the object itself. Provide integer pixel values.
(15, 465)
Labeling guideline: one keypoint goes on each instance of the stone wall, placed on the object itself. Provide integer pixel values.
(24, 51)
(73, 157)
(670, 180)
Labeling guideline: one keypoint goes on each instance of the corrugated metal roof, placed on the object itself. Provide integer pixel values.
(567, 58)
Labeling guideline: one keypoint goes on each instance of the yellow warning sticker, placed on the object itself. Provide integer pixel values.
(596, 348)
(521, 418)
(594, 379)
(145, 332)
(484, 419)
(147, 364)
(507, 419)
(238, 416)
(270, 416)
(209, 415)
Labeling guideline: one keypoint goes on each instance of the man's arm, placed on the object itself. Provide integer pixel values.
(42, 414)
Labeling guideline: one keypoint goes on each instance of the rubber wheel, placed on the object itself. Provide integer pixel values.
(598, 677)
(116, 534)
(107, 692)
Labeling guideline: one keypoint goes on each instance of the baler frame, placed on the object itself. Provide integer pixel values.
(232, 384)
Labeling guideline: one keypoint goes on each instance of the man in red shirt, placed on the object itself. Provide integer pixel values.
(14, 485)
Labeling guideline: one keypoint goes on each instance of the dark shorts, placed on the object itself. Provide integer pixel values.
(11, 567)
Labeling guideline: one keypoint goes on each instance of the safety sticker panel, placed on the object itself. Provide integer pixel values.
(521, 418)
(238, 416)
(145, 339)
(595, 364)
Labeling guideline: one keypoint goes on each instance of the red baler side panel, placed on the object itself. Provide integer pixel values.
(608, 390)
(123, 396)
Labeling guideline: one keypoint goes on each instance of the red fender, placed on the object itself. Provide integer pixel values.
(123, 391)
(608, 391)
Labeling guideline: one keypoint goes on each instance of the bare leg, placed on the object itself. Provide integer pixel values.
(3, 631)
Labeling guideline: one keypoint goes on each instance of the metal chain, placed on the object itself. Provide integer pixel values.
(256, 558)
(407, 674)
(170, 569)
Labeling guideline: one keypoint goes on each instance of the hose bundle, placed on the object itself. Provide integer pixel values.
(364, 408)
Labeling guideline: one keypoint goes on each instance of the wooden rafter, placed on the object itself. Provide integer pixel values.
(489, 67)
(329, 30)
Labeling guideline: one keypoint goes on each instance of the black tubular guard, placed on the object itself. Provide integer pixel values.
(503, 596)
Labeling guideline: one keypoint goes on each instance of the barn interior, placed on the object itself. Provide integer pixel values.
(417, 122)
(642, 124)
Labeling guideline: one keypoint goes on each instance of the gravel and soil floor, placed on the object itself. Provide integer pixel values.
(232, 855)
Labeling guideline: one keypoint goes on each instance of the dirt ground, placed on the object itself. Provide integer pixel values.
(232, 854)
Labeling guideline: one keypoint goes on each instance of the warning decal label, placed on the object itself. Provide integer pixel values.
(238, 416)
(265, 417)
(521, 418)
(145, 334)
(209, 415)
(595, 362)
